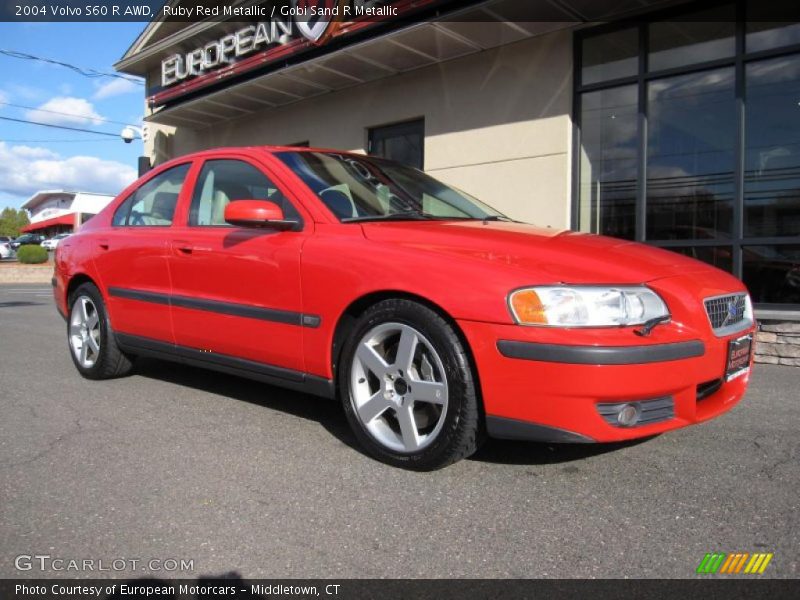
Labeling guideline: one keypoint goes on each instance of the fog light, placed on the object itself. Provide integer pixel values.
(628, 415)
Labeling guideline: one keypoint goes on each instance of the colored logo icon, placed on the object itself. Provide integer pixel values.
(741, 563)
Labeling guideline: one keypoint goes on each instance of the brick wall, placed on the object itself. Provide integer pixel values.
(778, 343)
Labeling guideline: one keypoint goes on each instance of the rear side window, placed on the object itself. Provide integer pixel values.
(223, 181)
(153, 204)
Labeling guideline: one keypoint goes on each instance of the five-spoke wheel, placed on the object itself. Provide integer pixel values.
(84, 331)
(398, 387)
(407, 386)
(92, 343)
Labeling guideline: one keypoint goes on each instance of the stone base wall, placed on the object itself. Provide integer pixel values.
(14, 272)
(778, 343)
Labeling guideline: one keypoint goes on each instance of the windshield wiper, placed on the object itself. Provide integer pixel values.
(400, 216)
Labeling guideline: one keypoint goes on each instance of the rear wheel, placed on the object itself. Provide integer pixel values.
(92, 344)
(407, 387)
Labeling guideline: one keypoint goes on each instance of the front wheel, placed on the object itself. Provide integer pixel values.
(407, 387)
(92, 344)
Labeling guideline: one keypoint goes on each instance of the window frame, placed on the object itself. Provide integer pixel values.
(739, 60)
(196, 182)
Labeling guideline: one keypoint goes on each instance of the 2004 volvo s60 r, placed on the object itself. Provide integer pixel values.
(432, 317)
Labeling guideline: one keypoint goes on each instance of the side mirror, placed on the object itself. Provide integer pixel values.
(257, 214)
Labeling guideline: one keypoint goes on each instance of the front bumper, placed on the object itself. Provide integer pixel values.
(557, 385)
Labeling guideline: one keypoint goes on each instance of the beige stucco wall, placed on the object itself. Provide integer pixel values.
(497, 124)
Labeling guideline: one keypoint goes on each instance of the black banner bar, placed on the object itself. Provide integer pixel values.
(195, 11)
(733, 588)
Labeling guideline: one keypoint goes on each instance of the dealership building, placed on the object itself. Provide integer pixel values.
(676, 124)
(60, 211)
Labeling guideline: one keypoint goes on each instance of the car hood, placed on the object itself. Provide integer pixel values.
(545, 255)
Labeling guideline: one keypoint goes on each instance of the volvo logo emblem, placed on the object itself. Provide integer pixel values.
(316, 19)
(731, 313)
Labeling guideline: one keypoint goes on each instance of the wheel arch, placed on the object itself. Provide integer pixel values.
(348, 318)
(77, 280)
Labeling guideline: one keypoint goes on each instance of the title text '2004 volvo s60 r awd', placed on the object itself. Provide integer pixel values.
(435, 319)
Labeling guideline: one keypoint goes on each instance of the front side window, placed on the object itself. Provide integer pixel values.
(357, 188)
(224, 181)
(153, 204)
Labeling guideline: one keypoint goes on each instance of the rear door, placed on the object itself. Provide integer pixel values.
(236, 291)
(131, 257)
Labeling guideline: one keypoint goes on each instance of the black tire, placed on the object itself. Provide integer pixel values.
(462, 430)
(110, 361)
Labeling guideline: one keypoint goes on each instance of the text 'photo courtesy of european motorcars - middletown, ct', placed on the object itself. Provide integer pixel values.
(434, 319)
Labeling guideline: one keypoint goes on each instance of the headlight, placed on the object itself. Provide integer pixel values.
(585, 306)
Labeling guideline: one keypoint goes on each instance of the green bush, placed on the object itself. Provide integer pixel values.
(31, 254)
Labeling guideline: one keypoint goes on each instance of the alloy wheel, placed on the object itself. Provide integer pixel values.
(84, 331)
(398, 387)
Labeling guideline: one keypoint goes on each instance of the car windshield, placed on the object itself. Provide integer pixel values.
(360, 188)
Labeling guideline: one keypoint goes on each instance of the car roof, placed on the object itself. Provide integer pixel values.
(211, 152)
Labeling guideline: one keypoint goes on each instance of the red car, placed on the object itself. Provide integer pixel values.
(433, 318)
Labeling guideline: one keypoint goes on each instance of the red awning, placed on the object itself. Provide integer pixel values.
(62, 220)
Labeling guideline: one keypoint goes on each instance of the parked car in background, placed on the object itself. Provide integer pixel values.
(51, 243)
(33, 239)
(433, 318)
(6, 251)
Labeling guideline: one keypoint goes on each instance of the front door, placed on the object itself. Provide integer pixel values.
(236, 291)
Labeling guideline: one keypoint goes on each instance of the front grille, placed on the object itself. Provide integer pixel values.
(726, 311)
(650, 411)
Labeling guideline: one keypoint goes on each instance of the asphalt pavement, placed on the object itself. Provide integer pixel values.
(176, 463)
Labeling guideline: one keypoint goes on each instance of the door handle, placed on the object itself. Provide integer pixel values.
(103, 244)
(182, 247)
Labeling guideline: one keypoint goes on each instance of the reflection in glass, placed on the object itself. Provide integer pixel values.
(608, 162)
(717, 256)
(763, 34)
(685, 42)
(772, 148)
(772, 273)
(610, 56)
(690, 156)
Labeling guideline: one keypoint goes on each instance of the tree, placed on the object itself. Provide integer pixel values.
(12, 221)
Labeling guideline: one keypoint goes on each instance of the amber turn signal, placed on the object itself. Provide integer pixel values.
(528, 308)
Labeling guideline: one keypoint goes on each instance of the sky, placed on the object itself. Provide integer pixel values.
(36, 158)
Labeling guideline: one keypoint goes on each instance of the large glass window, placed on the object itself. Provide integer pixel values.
(610, 56)
(691, 137)
(763, 32)
(692, 142)
(686, 41)
(772, 273)
(772, 148)
(608, 161)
